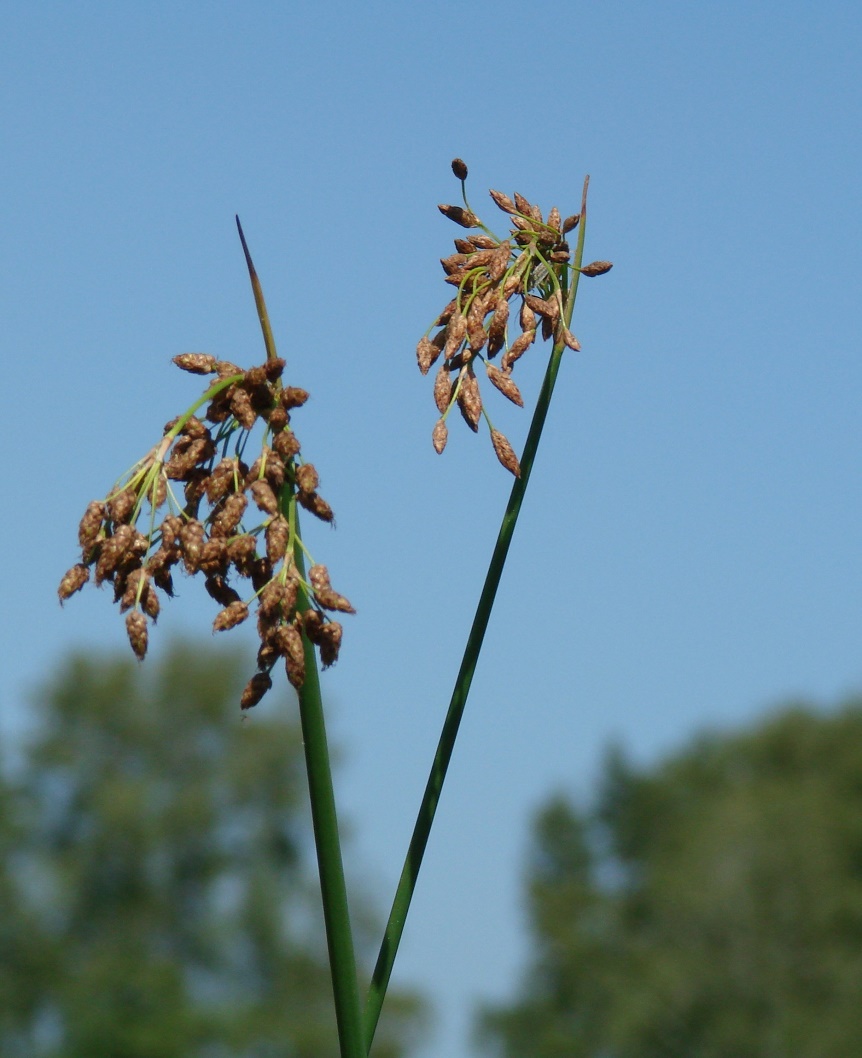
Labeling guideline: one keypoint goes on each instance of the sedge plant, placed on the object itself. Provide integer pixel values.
(220, 493)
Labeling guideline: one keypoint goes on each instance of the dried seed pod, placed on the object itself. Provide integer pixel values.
(242, 409)
(566, 336)
(470, 399)
(261, 572)
(226, 368)
(442, 389)
(503, 201)
(277, 418)
(464, 217)
(426, 354)
(570, 223)
(222, 480)
(439, 436)
(504, 384)
(196, 363)
(255, 689)
(213, 556)
(497, 327)
(271, 599)
(527, 318)
(218, 589)
(505, 453)
(136, 629)
(459, 168)
(596, 268)
(230, 616)
(191, 544)
(523, 206)
(73, 580)
(331, 600)
(547, 309)
(241, 552)
(293, 397)
(307, 478)
(294, 653)
(455, 332)
(517, 349)
(277, 536)
(194, 428)
(454, 263)
(121, 505)
(330, 643)
(91, 523)
(286, 444)
(264, 497)
(316, 505)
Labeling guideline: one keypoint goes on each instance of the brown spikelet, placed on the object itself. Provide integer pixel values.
(497, 327)
(191, 543)
(329, 643)
(255, 689)
(230, 616)
(570, 223)
(426, 354)
(264, 497)
(91, 523)
(566, 336)
(286, 444)
(293, 397)
(459, 168)
(213, 556)
(505, 453)
(307, 478)
(229, 515)
(277, 536)
(294, 653)
(73, 580)
(329, 599)
(136, 629)
(470, 399)
(277, 418)
(316, 505)
(503, 201)
(518, 348)
(596, 268)
(504, 384)
(442, 389)
(546, 309)
(439, 436)
(271, 599)
(196, 363)
(464, 217)
(241, 552)
(242, 408)
(121, 505)
(222, 480)
(218, 589)
(554, 220)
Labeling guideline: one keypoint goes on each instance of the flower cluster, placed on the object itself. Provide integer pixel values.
(191, 494)
(534, 264)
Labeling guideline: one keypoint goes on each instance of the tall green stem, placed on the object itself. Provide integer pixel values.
(336, 913)
(339, 937)
(427, 809)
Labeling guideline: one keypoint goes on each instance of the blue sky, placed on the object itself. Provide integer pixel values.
(689, 553)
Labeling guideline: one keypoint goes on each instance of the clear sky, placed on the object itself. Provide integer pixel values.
(689, 553)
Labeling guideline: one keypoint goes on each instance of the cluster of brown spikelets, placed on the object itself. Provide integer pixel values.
(534, 264)
(203, 531)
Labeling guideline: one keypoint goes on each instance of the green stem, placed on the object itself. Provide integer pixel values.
(336, 914)
(434, 786)
(333, 890)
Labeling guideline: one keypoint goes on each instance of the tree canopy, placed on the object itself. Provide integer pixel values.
(708, 907)
(157, 893)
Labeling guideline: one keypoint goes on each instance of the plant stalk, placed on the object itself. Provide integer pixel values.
(430, 799)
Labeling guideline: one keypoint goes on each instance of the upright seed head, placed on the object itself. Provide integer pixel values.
(459, 168)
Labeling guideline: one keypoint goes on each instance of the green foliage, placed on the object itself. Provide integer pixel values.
(708, 908)
(156, 895)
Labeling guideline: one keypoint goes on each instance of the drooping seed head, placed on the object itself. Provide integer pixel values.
(255, 689)
(73, 580)
(307, 478)
(505, 453)
(136, 629)
(230, 616)
(505, 384)
(196, 363)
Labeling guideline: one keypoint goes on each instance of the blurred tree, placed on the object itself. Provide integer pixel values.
(708, 908)
(156, 893)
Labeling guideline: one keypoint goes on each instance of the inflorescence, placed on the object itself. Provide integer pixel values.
(135, 537)
(534, 264)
